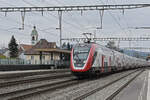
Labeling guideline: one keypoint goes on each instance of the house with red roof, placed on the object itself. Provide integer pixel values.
(43, 52)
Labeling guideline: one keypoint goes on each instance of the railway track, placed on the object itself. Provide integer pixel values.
(17, 74)
(34, 78)
(15, 86)
(88, 88)
(20, 94)
(117, 91)
(62, 84)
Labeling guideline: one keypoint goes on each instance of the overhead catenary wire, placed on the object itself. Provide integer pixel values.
(27, 25)
(71, 14)
(69, 30)
(73, 19)
(74, 26)
(114, 18)
(126, 21)
(30, 25)
(123, 12)
(60, 20)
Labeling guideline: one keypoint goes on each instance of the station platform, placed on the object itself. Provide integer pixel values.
(16, 73)
(25, 71)
(138, 89)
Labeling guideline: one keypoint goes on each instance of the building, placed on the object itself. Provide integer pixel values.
(5, 52)
(34, 36)
(2, 56)
(22, 49)
(44, 52)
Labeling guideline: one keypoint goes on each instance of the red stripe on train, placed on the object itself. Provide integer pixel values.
(89, 61)
(110, 64)
(102, 67)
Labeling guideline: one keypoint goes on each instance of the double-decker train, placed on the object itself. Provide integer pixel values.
(91, 58)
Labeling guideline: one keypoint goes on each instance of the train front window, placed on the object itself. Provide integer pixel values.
(81, 52)
(80, 55)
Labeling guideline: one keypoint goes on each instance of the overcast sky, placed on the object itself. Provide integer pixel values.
(115, 23)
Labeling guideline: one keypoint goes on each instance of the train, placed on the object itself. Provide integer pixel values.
(88, 59)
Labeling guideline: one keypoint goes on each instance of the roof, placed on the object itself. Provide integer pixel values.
(34, 31)
(26, 46)
(2, 56)
(53, 50)
(2, 51)
(42, 44)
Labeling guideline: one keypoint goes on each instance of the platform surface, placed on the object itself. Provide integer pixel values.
(139, 89)
(29, 71)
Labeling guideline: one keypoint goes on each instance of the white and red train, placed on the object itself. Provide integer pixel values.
(92, 58)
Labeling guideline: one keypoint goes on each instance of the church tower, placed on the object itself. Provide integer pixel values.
(34, 36)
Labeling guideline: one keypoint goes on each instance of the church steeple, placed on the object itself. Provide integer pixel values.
(34, 36)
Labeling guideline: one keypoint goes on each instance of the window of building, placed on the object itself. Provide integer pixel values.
(35, 61)
(43, 57)
(51, 56)
(33, 38)
(32, 57)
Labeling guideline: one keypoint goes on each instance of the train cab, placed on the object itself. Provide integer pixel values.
(88, 59)
(82, 57)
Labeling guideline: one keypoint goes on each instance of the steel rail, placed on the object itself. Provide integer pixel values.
(34, 79)
(26, 93)
(37, 90)
(122, 87)
(102, 87)
(24, 74)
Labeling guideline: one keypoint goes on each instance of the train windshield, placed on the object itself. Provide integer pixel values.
(81, 52)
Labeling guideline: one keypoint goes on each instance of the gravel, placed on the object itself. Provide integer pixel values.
(32, 77)
(106, 92)
(29, 85)
(70, 93)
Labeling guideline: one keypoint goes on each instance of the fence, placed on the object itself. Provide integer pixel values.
(25, 62)
(11, 61)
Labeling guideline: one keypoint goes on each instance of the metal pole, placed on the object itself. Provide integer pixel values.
(94, 35)
(118, 44)
(60, 26)
(101, 12)
(23, 18)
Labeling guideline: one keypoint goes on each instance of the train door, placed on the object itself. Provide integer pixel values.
(123, 61)
(110, 57)
(106, 63)
(113, 61)
(102, 63)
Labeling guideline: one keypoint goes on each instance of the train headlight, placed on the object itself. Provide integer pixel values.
(74, 61)
(84, 61)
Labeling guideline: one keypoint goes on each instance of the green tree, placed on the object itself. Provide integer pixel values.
(136, 54)
(68, 46)
(13, 48)
(64, 45)
(111, 45)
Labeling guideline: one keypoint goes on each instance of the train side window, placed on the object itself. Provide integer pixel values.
(94, 57)
(105, 64)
